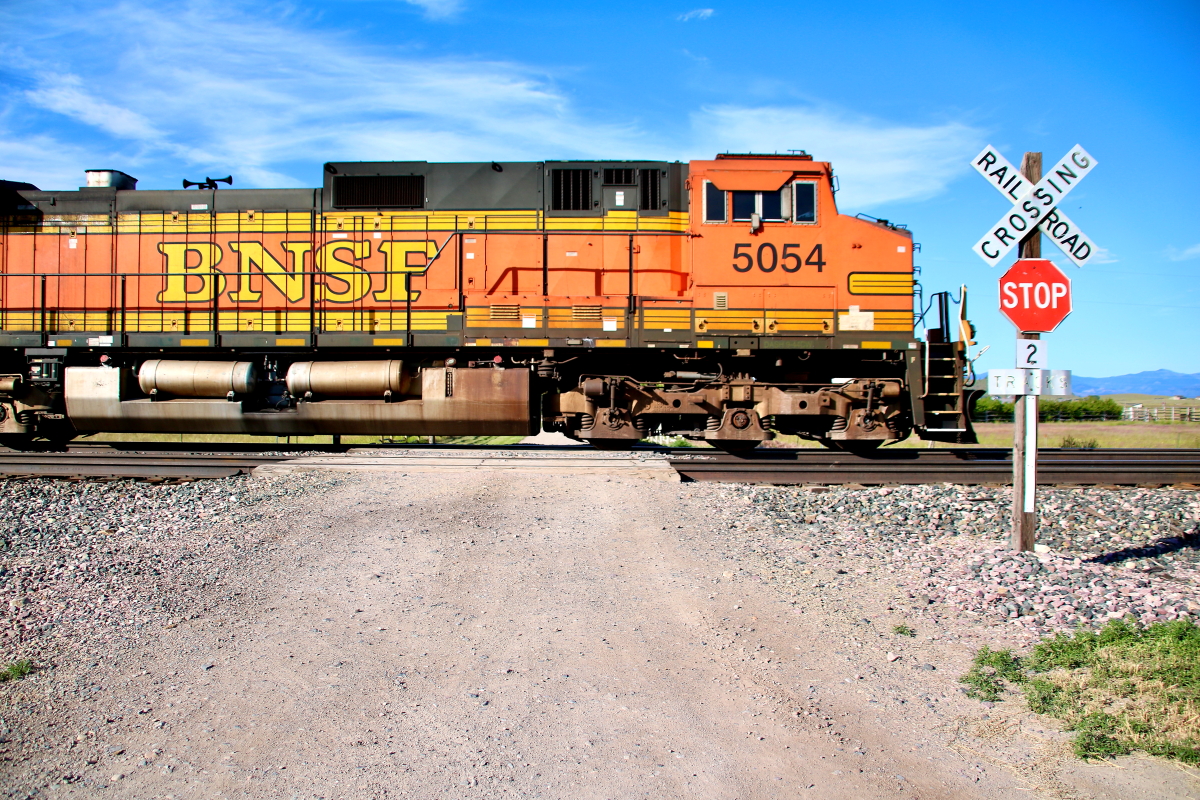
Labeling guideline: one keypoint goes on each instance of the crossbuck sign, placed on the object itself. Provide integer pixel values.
(1034, 206)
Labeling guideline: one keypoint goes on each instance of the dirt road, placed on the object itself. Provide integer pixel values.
(502, 635)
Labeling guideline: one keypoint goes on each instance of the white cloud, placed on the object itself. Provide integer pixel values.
(1184, 255)
(438, 9)
(65, 94)
(876, 161)
(270, 98)
(699, 13)
(45, 161)
(1104, 256)
(261, 93)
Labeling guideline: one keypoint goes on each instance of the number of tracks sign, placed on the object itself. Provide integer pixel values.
(1035, 206)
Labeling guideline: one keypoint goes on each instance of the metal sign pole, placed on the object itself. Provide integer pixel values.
(1025, 410)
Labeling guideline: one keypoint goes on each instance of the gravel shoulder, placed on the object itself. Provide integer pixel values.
(489, 634)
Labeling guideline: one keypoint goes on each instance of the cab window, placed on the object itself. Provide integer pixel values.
(714, 203)
(768, 205)
(805, 199)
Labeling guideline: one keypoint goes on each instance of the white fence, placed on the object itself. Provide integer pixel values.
(1162, 413)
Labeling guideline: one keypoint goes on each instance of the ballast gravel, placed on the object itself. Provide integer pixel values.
(1102, 554)
(93, 564)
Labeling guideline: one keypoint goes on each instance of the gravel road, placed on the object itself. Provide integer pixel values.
(483, 634)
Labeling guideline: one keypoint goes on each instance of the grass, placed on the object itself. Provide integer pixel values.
(1119, 689)
(903, 630)
(15, 670)
(1069, 442)
(1103, 434)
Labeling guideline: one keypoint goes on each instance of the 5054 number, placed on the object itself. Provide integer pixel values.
(768, 257)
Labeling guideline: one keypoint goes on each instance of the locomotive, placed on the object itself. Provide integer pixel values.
(721, 300)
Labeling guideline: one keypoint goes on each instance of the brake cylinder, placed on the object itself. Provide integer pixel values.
(346, 378)
(197, 378)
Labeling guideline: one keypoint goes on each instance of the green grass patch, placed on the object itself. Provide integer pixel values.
(15, 670)
(1120, 689)
(903, 630)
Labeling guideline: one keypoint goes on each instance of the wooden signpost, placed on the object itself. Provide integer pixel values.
(1035, 296)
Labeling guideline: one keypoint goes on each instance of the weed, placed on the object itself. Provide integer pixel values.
(903, 630)
(989, 672)
(1121, 688)
(1071, 443)
(16, 670)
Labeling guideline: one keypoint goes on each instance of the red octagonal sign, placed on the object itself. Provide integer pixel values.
(1035, 295)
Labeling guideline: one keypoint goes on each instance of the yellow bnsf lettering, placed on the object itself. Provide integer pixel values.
(395, 255)
(289, 283)
(197, 283)
(354, 277)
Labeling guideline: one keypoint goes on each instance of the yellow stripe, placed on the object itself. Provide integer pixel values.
(877, 345)
(610, 343)
(534, 342)
(388, 342)
(195, 342)
(784, 321)
(705, 344)
(289, 342)
(881, 283)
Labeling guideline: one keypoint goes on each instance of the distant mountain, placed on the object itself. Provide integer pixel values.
(1159, 381)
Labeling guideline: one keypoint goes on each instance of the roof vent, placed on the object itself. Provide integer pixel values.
(109, 179)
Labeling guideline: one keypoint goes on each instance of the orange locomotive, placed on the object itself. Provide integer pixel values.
(720, 300)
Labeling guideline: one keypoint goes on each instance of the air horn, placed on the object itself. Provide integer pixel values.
(207, 183)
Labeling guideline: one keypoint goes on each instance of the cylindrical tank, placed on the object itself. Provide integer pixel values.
(346, 378)
(197, 378)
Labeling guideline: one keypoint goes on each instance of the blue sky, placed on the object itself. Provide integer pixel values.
(898, 97)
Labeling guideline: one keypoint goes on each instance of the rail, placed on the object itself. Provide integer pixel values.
(1130, 467)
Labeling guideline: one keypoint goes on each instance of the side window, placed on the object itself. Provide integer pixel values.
(768, 205)
(772, 208)
(714, 203)
(805, 195)
(744, 204)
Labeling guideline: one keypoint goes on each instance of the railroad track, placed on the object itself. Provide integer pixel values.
(959, 465)
(106, 463)
(976, 465)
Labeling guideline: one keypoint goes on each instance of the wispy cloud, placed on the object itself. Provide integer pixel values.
(698, 13)
(45, 161)
(1104, 256)
(266, 93)
(65, 95)
(438, 9)
(1183, 255)
(876, 161)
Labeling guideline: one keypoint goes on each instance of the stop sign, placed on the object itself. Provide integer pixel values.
(1035, 295)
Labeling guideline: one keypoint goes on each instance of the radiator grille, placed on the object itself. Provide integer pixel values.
(619, 176)
(720, 300)
(586, 312)
(506, 312)
(570, 189)
(379, 191)
(651, 190)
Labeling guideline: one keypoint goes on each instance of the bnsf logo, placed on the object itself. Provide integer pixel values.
(192, 273)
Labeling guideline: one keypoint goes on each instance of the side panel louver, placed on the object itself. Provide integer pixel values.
(379, 191)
